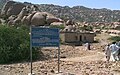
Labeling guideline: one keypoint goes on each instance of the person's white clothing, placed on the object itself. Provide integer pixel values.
(114, 51)
(107, 52)
(87, 45)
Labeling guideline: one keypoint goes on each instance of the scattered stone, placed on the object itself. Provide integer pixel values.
(70, 74)
(63, 56)
(42, 67)
(52, 71)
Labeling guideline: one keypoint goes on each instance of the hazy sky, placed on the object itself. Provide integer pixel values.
(110, 4)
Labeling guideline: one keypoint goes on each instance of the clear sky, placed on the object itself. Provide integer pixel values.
(110, 4)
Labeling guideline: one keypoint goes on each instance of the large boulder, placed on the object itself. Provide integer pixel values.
(69, 28)
(38, 19)
(34, 8)
(12, 8)
(10, 22)
(12, 17)
(6, 7)
(20, 16)
(24, 20)
(15, 9)
(69, 22)
(50, 18)
(27, 19)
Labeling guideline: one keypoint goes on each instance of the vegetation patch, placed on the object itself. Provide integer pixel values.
(57, 26)
(15, 45)
(114, 38)
(87, 28)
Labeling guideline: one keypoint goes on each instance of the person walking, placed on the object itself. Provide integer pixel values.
(107, 52)
(87, 45)
(114, 51)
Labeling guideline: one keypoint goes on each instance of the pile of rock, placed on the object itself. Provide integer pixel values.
(19, 13)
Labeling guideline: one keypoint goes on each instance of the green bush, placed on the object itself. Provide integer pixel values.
(114, 38)
(57, 26)
(87, 28)
(15, 45)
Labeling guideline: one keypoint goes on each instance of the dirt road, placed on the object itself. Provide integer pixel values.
(76, 61)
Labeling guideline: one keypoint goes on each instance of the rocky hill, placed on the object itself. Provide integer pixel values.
(2, 2)
(81, 13)
(78, 13)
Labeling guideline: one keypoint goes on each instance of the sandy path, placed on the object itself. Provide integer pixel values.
(95, 57)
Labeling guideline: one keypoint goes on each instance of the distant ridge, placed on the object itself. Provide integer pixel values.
(81, 13)
(78, 13)
(2, 2)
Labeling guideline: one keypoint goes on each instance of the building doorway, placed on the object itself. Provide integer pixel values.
(80, 38)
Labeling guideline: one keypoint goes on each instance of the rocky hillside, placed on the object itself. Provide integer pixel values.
(81, 13)
(78, 13)
(2, 2)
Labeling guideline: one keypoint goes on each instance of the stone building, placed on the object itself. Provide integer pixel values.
(77, 37)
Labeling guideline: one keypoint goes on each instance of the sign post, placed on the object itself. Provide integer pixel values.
(58, 59)
(44, 37)
(31, 51)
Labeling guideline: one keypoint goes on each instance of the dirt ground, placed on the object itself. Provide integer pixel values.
(74, 61)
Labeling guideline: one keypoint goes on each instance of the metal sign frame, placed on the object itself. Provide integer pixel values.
(31, 45)
(45, 37)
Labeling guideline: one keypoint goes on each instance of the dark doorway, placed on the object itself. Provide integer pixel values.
(80, 38)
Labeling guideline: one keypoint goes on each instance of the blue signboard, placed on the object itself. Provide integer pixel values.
(45, 37)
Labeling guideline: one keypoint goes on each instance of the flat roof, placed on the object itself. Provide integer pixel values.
(77, 32)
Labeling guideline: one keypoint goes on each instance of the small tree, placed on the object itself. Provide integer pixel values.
(15, 45)
(87, 28)
(114, 38)
(57, 26)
